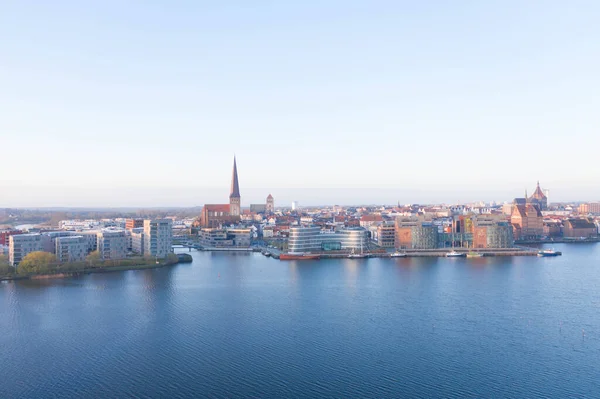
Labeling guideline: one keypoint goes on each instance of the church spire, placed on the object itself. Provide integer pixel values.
(235, 185)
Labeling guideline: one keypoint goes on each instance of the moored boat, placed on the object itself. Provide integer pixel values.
(454, 254)
(398, 254)
(549, 252)
(474, 255)
(357, 256)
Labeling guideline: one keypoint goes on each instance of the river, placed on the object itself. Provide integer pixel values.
(243, 325)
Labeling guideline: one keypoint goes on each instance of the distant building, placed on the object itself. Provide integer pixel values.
(91, 238)
(70, 249)
(367, 221)
(134, 224)
(294, 205)
(306, 239)
(21, 245)
(137, 240)
(77, 224)
(158, 237)
(527, 221)
(592, 208)
(539, 198)
(270, 204)
(215, 215)
(579, 228)
(49, 239)
(235, 197)
(214, 237)
(552, 228)
(386, 235)
(241, 237)
(490, 233)
(462, 231)
(416, 234)
(225, 237)
(258, 208)
(5, 235)
(112, 244)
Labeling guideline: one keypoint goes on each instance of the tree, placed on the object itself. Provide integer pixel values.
(5, 267)
(37, 262)
(172, 259)
(93, 259)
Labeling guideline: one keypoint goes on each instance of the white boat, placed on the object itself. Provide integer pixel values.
(361, 255)
(357, 256)
(454, 254)
(398, 255)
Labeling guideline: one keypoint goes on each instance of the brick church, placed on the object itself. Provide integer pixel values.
(215, 215)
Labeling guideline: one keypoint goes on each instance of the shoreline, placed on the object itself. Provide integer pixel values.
(109, 269)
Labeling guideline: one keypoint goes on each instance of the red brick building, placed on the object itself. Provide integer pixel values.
(528, 221)
(215, 215)
(577, 228)
(5, 236)
(134, 223)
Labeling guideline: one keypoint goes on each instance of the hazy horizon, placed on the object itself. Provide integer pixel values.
(145, 104)
(186, 197)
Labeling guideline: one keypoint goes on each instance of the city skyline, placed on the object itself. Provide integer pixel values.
(321, 101)
(185, 197)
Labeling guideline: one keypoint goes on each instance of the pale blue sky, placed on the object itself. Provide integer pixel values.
(126, 103)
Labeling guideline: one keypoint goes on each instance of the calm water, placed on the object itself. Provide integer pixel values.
(242, 325)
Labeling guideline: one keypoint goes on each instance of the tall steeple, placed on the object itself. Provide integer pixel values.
(234, 195)
(235, 185)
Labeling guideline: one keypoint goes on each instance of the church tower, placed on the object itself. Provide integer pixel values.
(234, 196)
(270, 208)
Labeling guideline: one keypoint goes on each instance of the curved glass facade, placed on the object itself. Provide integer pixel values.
(304, 240)
(310, 239)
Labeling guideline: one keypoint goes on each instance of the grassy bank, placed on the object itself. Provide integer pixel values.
(74, 269)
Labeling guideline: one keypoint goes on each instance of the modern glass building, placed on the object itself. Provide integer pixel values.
(310, 239)
(500, 235)
(304, 240)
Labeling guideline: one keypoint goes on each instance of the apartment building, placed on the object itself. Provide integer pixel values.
(112, 244)
(158, 237)
(70, 249)
(21, 245)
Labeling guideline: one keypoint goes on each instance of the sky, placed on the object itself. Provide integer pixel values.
(144, 103)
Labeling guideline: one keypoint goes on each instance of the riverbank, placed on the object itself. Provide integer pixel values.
(560, 241)
(90, 270)
(418, 253)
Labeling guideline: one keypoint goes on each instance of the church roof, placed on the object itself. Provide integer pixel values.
(235, 185)
(528, 210)
(217, 207)
(581, 223)
(538, 193)
(270, 197)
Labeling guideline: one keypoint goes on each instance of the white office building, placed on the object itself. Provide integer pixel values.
(49, 239)
(112, 244)
(137, 240)
(91, 238)
(158, 237)
(70, 249)
(21, 245)
(307, 239)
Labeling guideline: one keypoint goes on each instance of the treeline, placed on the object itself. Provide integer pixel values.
(52, 217)
(40, 262)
